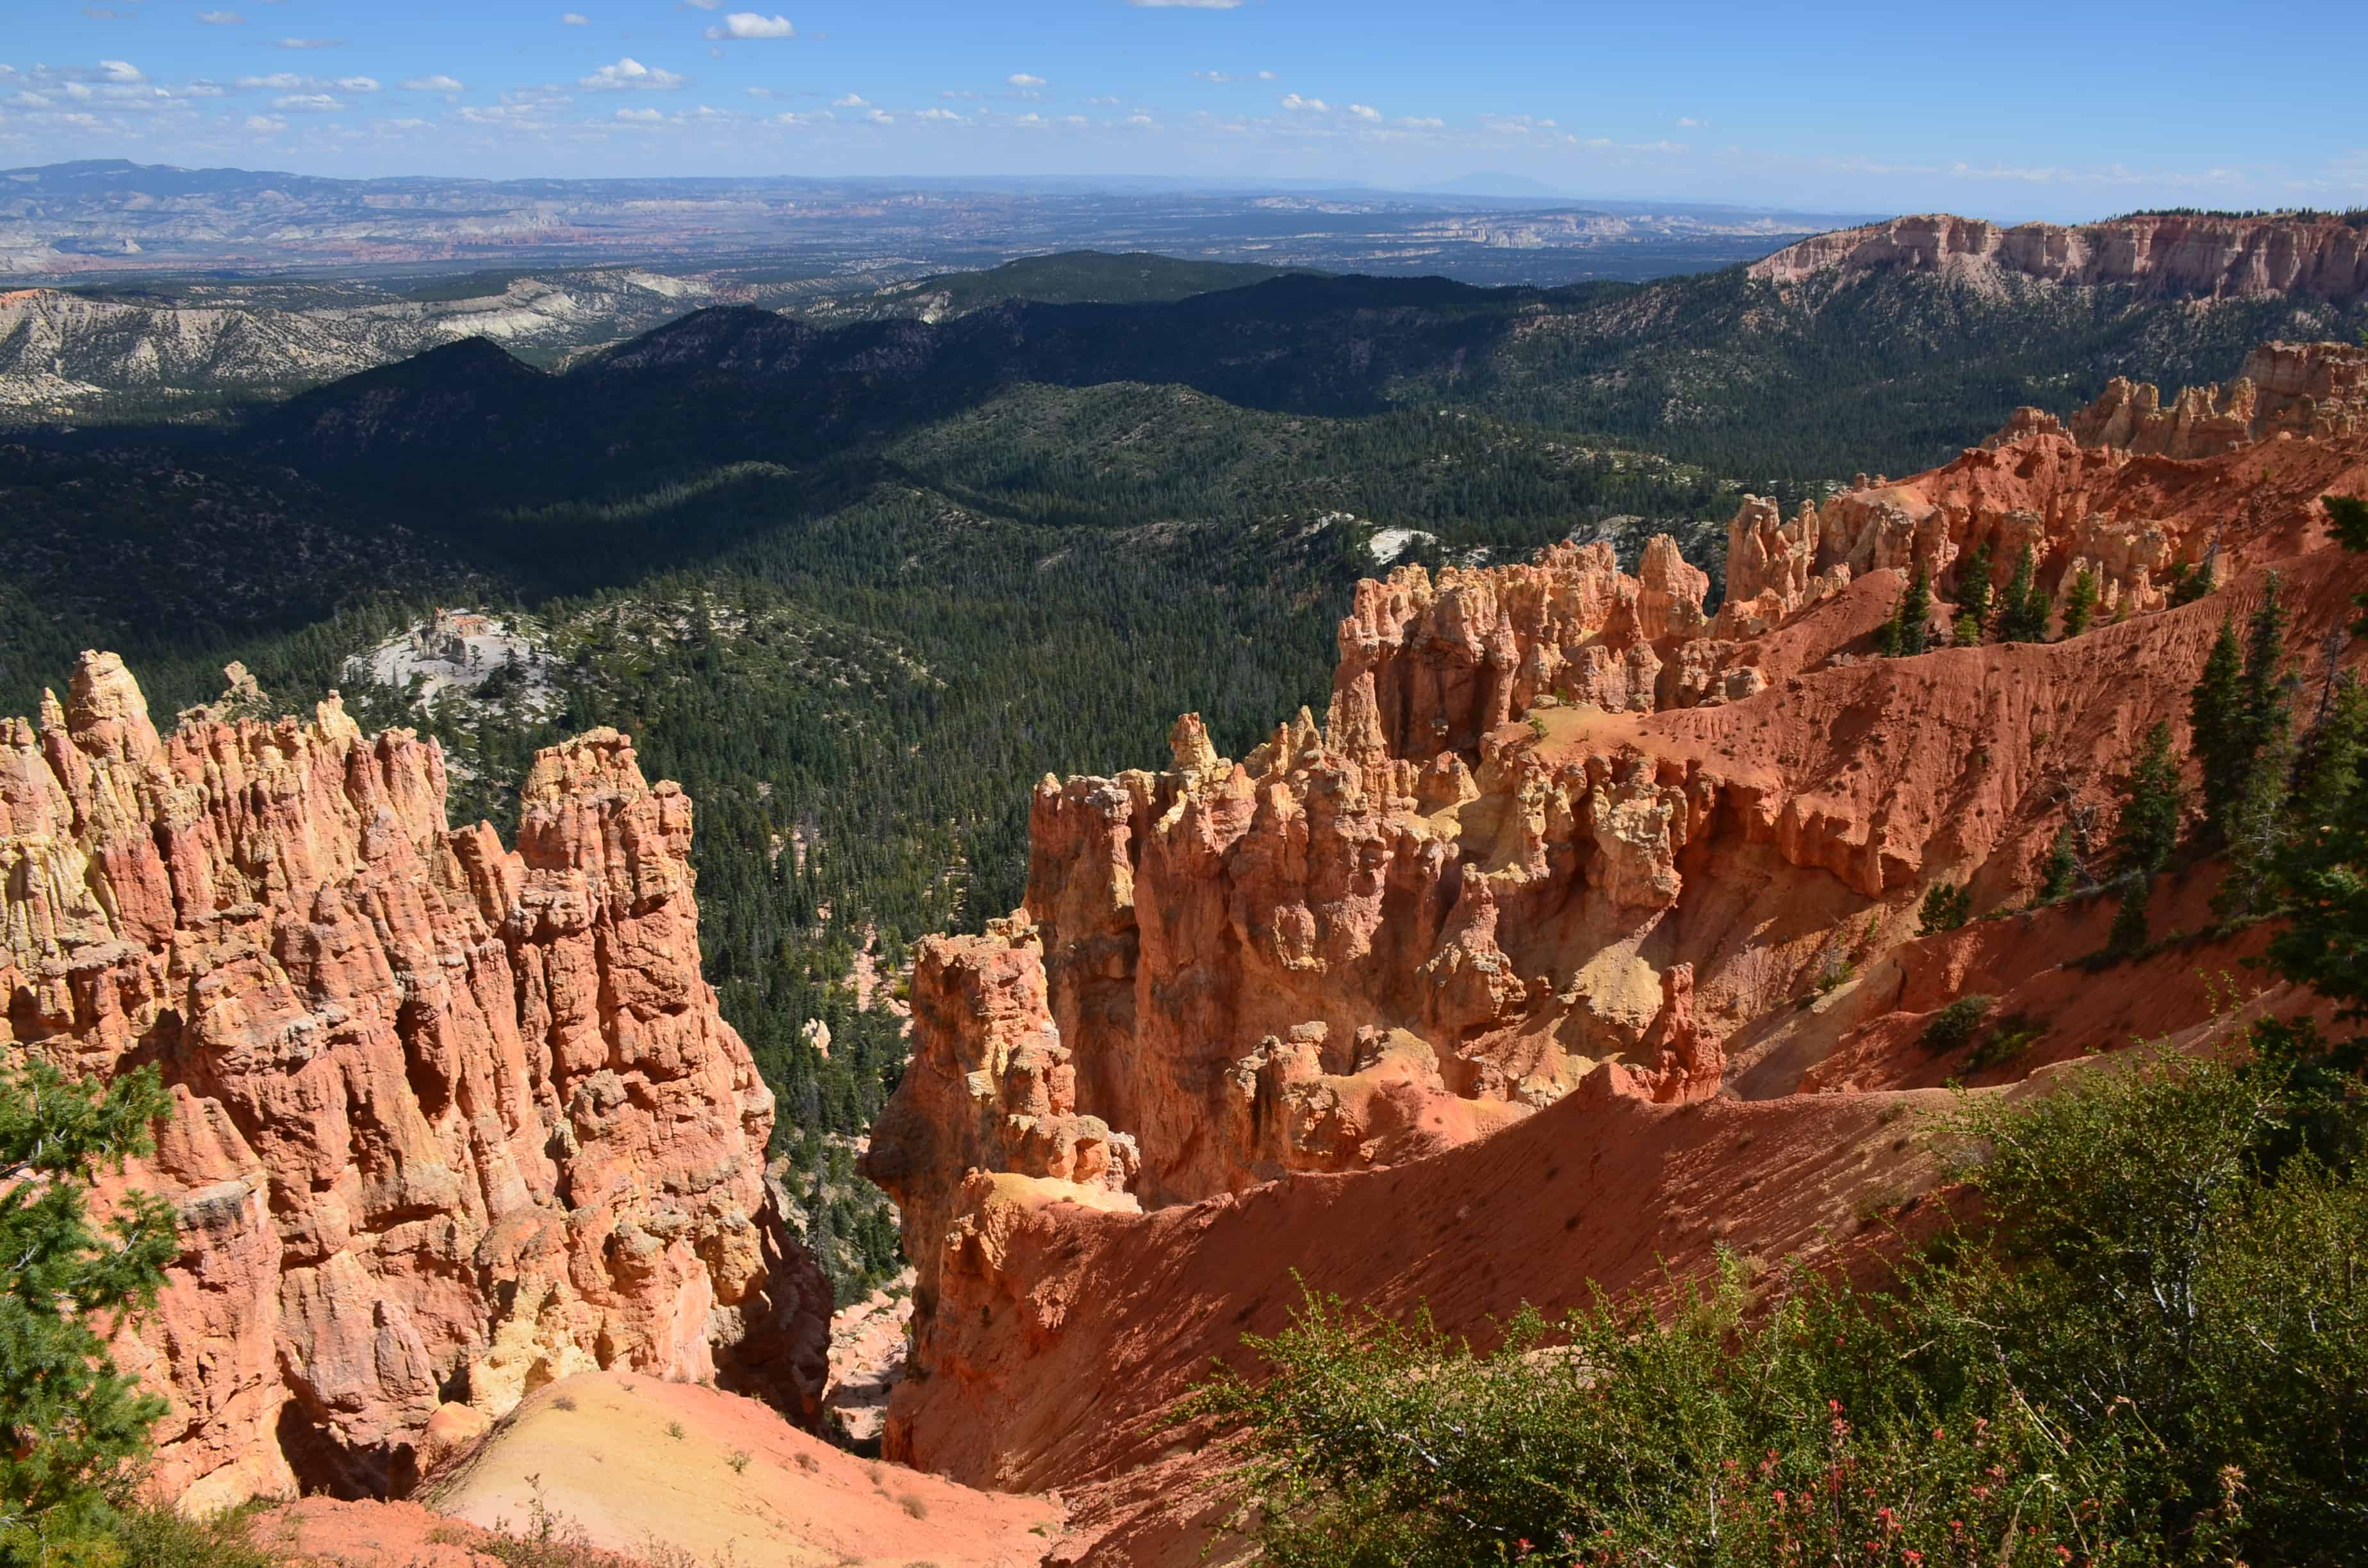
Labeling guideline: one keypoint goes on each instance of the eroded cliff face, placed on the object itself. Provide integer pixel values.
(2163, 254)
(2095, 497)
(451, 1121)
(1563, 852)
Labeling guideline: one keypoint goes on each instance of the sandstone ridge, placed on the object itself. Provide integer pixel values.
(451, 1120)
(2200, 255)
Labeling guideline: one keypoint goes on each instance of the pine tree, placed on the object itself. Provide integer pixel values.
(2216, 716)
(1973, 597)
(2257, 823)
(2324, 876)
(1910, 632)
(2081, 603)
(70, 1424)
(2152, 804)
(2337, 749)
(2014, 603)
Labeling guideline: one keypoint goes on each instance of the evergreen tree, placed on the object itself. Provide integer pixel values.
(2014, 605)
(2324, 875)
(1909, 631)
(70, 1424)
(2081, 603)
(2257, 823)
(2024, 608)
(1973, 597)
(2215, 716)
(2332, 760)
(2152, 804)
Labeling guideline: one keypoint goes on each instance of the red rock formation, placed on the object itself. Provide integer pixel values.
(2165, 254)
(2131, 490)
(1564, 876)
(2285, 389)
(450, 1121)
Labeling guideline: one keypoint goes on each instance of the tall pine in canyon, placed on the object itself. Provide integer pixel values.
(2323, 877)
(2152, 804)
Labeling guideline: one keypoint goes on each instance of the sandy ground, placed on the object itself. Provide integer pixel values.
(666, 1471)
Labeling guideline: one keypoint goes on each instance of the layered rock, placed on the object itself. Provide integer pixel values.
(2285, 389)
(2163, 253)
(451, 1121)
(2249, 462)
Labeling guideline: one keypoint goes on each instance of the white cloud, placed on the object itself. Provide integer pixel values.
(952, 94)
(1022, 79)
(630, 74)
(370, 84)
(1104, 103)
(752, 24)
(640, 116)
(852, 100)
(1138, 118)
(705, 4)
(1030, 118)
(1311, 105)
(574, 20)
(878, 118)
(220, 18)
(795, 117)
(1423, 122)
(941, 114)
(310, 43)
(1687, 122)
(436, 84)
(119, 71)
(1365, 112)
(264, 124)
(308, 103)
(1266, 76)
(278, 82)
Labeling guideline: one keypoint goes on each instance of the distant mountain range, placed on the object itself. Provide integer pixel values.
(112, 219)
(1891, 342)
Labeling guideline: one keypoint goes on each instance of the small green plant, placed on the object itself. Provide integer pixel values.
(915, 1506)
(2005, 1040)
(1955, 1026)
(674, 1430)
(738, 1462)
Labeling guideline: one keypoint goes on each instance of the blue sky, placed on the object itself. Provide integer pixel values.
(2003, 110)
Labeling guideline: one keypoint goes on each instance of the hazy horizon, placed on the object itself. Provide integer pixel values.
(2017, 113)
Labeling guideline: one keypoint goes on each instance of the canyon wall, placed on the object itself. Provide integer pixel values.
(1567, 872)
(2165, 254)
(451, 1121)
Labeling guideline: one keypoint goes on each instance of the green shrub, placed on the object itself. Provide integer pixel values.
(1945, 908)
(2150, 1354)
(1955, 1024)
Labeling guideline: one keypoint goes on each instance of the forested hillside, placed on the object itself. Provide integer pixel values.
(858, 587)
